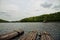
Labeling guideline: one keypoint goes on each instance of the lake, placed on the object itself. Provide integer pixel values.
(52, 27)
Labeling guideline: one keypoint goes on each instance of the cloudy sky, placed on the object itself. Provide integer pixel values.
(19, 9)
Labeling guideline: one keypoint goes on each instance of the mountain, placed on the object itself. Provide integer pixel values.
(53, 17)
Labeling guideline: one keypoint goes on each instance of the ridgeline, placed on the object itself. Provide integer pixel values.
(54, 17)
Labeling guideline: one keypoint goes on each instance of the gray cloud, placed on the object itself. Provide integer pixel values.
(4, 14)
(56, 7)
(53, 5)
(46, 5)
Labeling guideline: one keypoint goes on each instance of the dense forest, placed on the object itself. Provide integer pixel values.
(1, 20)
(53, 17)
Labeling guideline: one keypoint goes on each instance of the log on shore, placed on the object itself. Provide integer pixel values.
(29, 36)
(10, 35)
(46, 36)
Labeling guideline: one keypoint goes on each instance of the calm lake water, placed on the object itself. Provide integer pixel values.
(52, 28)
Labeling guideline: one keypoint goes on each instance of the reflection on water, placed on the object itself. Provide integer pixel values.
(52, 28)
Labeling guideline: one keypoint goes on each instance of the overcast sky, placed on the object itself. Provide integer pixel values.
(19, 9)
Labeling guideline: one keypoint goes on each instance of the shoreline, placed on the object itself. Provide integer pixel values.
(29, 22)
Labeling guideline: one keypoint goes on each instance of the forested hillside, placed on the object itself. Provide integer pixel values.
(1, 20)
(54, 17)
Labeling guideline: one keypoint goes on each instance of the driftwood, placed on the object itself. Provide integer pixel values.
(10, 35)
(46, 36)
(32, 35)
(29, 36)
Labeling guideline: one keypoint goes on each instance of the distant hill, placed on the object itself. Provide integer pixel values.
(54, 17)
(1, 20)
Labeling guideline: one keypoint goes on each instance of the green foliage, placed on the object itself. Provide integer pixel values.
(3, 20)
(43, 18)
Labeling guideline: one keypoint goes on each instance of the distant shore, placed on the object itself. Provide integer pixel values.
(31, 22)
